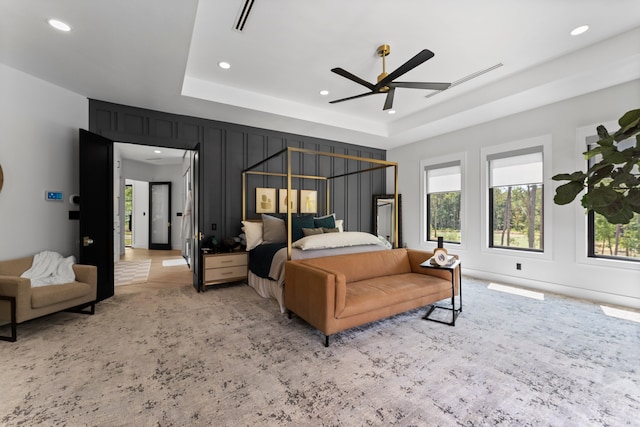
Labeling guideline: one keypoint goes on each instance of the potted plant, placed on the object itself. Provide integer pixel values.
(613, 182)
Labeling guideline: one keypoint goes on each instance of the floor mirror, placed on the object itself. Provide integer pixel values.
(384, 217)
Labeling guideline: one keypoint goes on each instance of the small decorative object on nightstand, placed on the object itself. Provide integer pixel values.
(223, 268)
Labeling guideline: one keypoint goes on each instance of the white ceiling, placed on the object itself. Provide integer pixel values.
(163, 55)
(157, 156)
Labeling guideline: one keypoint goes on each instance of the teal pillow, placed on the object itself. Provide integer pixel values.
(328, 221)
(298, 223)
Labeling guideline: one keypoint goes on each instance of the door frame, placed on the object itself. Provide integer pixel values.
(197, 196)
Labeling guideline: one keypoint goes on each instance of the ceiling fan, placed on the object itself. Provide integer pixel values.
(386, 83)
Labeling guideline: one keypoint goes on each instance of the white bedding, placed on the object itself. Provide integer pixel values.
(268, 288)
(336, 240)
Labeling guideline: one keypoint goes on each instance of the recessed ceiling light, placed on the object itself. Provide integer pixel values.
(579, 30)
(157, 151)
(59, 25)
(391, 112)
(224, 65)
(324, 92)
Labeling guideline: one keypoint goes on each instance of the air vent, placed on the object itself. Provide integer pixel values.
(245, 10)
(467, 78)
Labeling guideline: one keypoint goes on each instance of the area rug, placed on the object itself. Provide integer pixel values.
(130, 272)
(227, 357)
(173, 262)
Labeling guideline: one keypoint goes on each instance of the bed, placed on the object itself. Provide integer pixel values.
(273, 239)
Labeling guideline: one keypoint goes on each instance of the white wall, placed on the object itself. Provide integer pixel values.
(38, 152)
(156, 173)
(564, 269)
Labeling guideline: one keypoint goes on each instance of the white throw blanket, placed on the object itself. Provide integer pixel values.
(50, 268)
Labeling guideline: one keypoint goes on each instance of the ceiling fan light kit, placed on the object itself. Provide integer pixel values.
(386, 82)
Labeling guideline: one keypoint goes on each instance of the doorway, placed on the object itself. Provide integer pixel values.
(150, 197)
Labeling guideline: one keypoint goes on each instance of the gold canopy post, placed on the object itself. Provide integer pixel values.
(382, 164)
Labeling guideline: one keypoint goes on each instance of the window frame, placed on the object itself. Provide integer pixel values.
(434, 163)
(507, 155)
(486, 153)
(586, 139)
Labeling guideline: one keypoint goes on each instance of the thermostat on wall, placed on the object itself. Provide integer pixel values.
(53, 195)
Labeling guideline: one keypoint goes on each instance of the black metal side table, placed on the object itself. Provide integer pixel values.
(454, 311)
(12, 310)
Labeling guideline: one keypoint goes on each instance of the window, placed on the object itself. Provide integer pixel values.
(516, 199)
(443, 189)
(613, 241)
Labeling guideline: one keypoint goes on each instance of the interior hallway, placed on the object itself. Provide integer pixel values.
(159, 275)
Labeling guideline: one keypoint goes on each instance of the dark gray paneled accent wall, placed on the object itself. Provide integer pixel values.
(226, 149)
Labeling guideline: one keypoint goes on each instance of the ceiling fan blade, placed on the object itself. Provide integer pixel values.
(344, 73)
(421, 57)
(353, 97)
(388, 103)
(421, 85)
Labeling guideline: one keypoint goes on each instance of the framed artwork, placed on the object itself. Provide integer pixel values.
(308, 201)
(265, 200)
(282, 201)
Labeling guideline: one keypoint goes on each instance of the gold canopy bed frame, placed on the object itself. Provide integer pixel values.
(375, 165)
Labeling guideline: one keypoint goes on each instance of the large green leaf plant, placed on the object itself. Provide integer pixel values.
(613, 182)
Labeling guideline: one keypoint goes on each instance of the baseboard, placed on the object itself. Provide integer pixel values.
(557, 288)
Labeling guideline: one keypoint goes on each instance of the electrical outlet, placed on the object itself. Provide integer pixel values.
(214, 227)
(518, 266)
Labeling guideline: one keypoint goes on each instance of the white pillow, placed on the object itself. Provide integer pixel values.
(253, 232)
(336, 240)
(339, 223)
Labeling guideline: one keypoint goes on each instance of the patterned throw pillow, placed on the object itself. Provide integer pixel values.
(311, 231)
(330, 230)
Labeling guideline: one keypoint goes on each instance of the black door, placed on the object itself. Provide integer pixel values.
(160, 215)
(96, 208)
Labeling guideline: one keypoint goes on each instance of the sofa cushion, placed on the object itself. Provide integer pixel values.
(49, 295)
(370, 294)
(15, 267)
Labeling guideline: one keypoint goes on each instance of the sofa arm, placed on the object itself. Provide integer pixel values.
(86, 273)
(18, 287)
(14, 286)
(310, 293)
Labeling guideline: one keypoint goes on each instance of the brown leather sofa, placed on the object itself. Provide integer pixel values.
(20, 302)
(340, 292)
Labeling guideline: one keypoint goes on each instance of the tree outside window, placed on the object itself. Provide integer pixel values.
(516, 200)
(616, 241)
(443, 202)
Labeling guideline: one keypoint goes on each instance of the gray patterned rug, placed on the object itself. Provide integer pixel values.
(227, 357)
